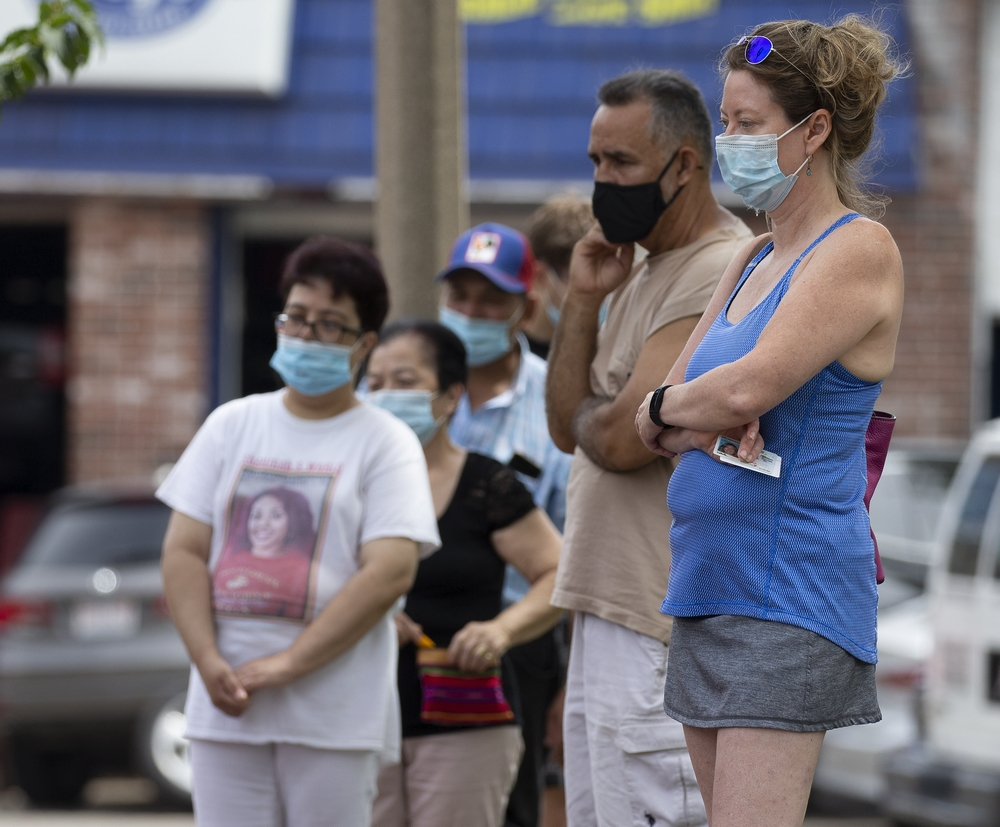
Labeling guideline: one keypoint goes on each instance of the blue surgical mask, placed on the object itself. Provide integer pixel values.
(312, 368)
(413, 407)
(552, 312)
(749, 165)
(485, 340)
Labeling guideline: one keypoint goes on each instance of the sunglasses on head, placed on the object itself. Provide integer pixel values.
(759, 47)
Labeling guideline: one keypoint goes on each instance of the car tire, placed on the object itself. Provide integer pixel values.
(162, 750)
(49, 778)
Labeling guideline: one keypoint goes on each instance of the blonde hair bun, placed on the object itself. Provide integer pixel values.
(843, 68)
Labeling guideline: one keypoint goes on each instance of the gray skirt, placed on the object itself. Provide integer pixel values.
(730, 671)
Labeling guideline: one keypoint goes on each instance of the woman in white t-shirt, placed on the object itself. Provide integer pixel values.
(298, 520)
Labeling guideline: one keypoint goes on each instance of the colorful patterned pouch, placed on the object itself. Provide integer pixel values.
(452, 697)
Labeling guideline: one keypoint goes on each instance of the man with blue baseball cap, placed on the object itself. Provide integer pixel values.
(486, 297)
(487, 283)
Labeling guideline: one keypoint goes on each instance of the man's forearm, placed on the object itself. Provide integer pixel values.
(587, 429)
(573, 349)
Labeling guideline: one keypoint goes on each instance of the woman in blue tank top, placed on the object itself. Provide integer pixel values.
(772, 584)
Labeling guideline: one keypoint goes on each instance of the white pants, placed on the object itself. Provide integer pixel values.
(281, 785)
(626, 763)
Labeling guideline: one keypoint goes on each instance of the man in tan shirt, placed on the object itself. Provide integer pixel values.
(651, 144)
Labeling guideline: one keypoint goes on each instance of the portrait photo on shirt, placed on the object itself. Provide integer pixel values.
(274, 527)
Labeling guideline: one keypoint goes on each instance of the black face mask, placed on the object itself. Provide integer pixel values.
(629, 213)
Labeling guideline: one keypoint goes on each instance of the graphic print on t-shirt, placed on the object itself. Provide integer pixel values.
(274, 530)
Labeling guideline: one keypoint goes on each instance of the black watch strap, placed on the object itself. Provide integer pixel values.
(654, 407)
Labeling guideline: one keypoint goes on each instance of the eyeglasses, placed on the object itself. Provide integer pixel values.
(323, 330)
(759, 47)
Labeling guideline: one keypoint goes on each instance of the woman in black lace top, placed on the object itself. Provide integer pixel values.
(457, 773)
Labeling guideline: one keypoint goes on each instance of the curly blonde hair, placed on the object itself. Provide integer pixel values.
(843, 68)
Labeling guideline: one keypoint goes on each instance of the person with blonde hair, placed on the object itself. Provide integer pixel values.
(772, 584)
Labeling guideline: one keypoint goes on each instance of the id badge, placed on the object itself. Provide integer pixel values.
(727, 450)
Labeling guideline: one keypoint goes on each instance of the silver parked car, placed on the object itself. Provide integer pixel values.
(92, 672)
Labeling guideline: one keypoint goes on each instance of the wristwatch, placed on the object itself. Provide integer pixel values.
(654, 407)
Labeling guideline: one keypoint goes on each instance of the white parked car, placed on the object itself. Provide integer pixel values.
(953, 776)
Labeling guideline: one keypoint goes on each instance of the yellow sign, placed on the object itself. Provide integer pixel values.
(497, 11)
(588, 12)
(664, 12)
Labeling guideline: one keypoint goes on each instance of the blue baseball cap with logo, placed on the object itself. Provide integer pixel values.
(500, 253)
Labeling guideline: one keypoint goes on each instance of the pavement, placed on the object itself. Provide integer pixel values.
(124, 802)
(83, 818)
(118, 819)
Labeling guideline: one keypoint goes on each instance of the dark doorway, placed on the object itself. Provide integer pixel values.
(262, 265)
(32, 373)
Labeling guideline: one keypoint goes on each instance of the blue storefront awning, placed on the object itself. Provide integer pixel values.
(533, 70)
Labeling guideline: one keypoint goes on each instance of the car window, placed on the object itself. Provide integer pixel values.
(965, 548)
(907, 504)
(103, 535)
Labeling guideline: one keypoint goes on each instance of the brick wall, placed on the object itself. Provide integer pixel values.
(931, 388)
(138, 299)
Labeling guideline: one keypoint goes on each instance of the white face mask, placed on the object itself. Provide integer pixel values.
(749, 166)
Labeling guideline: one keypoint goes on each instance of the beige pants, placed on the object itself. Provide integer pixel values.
(457, 779)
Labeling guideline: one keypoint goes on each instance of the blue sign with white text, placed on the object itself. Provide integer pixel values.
(143, 18)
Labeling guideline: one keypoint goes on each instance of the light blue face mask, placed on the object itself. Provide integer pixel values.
(413, 407)
(749, 165)
(485, 340)
(552, 312)
(312, 368)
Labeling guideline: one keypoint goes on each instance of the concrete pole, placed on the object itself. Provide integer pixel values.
(420, 138)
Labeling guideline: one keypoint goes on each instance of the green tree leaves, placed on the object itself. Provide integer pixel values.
(67, 30)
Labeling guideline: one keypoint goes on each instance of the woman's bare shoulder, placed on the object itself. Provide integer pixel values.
(863, 248)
